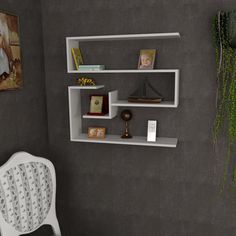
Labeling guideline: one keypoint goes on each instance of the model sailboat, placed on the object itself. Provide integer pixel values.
(146, 93)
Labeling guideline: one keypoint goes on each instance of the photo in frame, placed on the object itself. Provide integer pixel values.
(98, 105)
(97, 132)
(146, 59)
(10, 55)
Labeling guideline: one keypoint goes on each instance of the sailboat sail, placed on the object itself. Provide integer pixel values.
(146, 93)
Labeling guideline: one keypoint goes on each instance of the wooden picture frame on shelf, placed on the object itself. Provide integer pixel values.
(146, 59)
(97, 132)
(98, 105)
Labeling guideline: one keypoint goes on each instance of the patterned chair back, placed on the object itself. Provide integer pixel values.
(27, 192)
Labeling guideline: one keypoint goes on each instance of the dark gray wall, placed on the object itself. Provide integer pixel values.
(23, 117)
(123, 190)
(23, 124)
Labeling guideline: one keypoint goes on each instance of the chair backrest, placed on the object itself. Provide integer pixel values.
(27, 192)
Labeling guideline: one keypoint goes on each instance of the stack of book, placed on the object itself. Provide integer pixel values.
(91, 67)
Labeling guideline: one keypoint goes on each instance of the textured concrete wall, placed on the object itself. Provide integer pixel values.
(23, 124)
(23, 117)
(123, 190)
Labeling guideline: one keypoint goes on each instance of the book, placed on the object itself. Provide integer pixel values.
(91, 67)
(77, 57)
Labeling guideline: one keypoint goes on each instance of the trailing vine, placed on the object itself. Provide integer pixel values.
(223, 29)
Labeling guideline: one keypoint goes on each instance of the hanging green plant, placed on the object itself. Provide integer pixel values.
(224, 35)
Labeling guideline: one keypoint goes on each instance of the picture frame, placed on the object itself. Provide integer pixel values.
(146, 59)
(98, 105)
(97, 132)
(10, 52)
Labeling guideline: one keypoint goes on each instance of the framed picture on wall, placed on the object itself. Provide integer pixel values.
(10, 55)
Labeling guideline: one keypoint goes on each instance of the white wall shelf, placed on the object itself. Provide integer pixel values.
(136, 140)
(124, 103)
(87, 87)
(75, 98)
(167, 104)
(124, 71)
(73, 42)
(76, 134)
(126, 37)
(75, 107)
(105, 117)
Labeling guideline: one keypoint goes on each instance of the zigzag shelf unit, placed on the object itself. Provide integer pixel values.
(75, 96)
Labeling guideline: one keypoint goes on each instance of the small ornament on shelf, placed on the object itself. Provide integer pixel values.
(84, 81)
(126, 115)
(152, 131)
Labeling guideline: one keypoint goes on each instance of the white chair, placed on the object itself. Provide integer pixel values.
(27, 195)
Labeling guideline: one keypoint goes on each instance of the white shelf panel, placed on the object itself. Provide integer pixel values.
(87, 87)
(124, 71)
(126, 37)
(136, 140)
(124, 103)
(106, 117)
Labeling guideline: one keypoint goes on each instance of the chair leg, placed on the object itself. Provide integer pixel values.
(56, 228)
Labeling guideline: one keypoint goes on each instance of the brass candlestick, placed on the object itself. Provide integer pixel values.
(126, 116)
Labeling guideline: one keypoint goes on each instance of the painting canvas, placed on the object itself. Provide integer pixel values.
(10, 58)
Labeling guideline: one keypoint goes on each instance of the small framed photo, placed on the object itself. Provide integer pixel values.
(96, 104)
(97, 132)
(147, 59)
